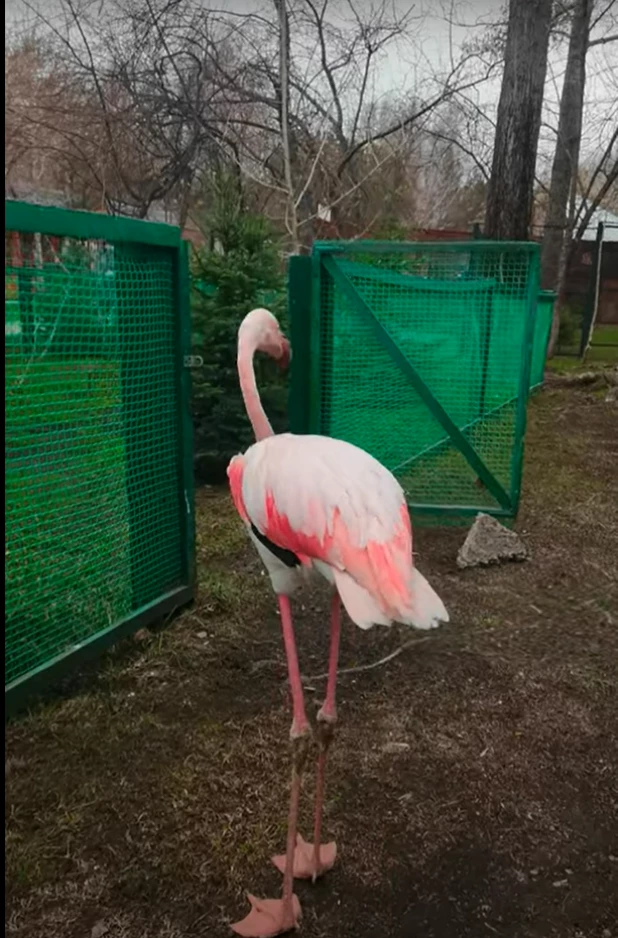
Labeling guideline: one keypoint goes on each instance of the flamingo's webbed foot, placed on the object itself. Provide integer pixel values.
(305, 866)
(269, 917)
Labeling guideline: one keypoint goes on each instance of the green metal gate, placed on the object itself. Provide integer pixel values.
(420, 354)
(98, 449)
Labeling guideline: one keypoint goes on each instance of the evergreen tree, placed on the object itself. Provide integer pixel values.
(240, 269)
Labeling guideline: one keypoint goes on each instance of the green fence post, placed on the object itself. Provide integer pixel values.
(486, 328)
(316, 382)
(532, 296)
(183, 376)
(299, 305)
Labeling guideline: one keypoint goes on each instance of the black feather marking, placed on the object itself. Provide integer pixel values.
(287, 557)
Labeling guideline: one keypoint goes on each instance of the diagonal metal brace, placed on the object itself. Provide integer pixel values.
(412, 375)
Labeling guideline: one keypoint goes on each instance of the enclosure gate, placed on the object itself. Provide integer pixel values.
(98, 450)
(421, 354)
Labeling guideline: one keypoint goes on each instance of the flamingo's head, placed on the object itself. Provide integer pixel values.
(261, 331)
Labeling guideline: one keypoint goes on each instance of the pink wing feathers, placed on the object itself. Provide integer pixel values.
(332, 503)
(234, 473)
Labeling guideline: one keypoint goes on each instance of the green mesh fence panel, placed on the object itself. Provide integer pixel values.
(461, 315)
(542, 328)
(96, 519)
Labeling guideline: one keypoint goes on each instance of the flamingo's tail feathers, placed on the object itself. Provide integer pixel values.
(425, 609)
(360, 605)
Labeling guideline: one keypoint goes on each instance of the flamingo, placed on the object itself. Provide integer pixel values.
(315, 503)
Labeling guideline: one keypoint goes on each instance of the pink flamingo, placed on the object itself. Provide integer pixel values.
(315, 502)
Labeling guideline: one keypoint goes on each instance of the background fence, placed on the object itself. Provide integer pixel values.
(99, 502)
(422, 354)
(589, 315)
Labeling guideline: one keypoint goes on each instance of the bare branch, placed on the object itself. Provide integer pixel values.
(402, 124)
(311, 173)
(610, 180)
(602, 14)
(482, 168)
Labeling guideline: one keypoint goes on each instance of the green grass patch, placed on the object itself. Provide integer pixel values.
(602, 356)
(563, 364)
(605, 333)
(67, 533)
(603, 350)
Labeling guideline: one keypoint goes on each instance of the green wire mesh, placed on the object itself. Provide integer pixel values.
(93, 520)
(542, 328)
(459, 315)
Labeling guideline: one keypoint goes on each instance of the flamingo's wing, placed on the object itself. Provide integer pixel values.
(283, 565)
(330, 501)
(235, 471)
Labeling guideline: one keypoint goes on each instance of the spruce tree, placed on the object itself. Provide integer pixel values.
(239, 269)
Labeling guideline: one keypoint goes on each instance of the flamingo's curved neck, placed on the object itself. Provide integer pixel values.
(246, 373)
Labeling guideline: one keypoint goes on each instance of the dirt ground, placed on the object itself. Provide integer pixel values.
(148, 793)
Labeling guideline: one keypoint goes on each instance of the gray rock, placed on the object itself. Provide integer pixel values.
(487, 542)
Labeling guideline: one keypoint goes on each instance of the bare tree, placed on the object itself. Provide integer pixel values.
(171, 90)
(511, 185)
(132, 118)
(36, 125)
(291, 215)
(563, 213)
(342, 140)
(566, 155)
(598, 183)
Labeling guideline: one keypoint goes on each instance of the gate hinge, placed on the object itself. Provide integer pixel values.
(193, 361)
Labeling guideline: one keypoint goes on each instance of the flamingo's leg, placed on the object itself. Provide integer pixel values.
(269, 917)
(312, 860)
(324, 855)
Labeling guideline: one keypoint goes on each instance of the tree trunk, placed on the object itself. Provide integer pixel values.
(559, 221)
(291, 213)
(511, 185)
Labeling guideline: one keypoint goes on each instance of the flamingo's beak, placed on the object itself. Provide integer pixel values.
(286, 355)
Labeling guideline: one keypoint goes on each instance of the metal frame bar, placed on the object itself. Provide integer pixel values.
(299, 307)
(89, 226)
(486, 336)
(517, 461)
(125, 255)
(459, 510)
(315, 393)
(406, 247)
(186, 496)
(408, 370)
(19, 691)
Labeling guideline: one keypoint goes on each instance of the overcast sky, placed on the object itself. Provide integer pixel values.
(436, 42)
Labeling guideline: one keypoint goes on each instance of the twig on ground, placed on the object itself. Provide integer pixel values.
(374, 664)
